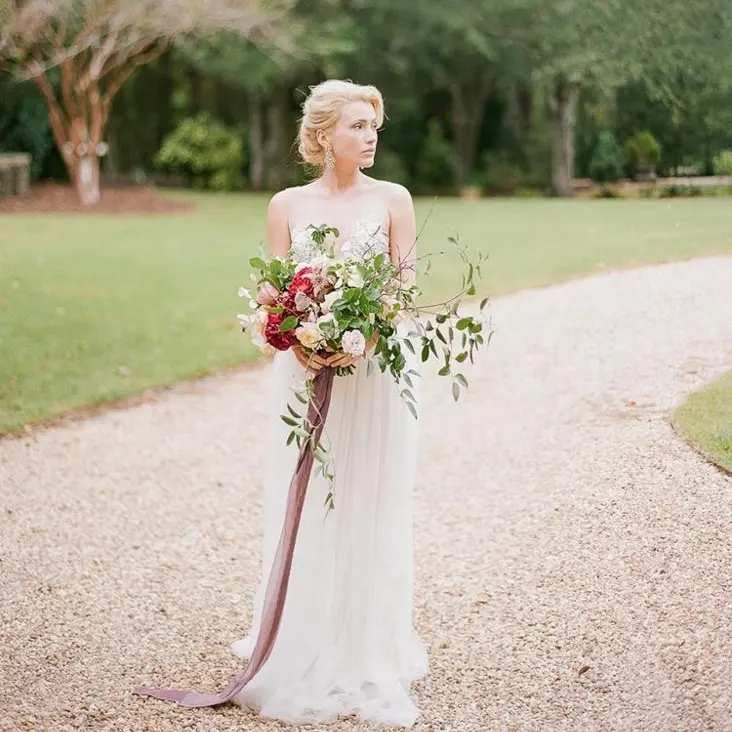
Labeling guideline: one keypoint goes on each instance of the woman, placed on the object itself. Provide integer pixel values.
(346, 643)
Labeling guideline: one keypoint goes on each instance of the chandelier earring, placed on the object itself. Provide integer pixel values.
(329, 160)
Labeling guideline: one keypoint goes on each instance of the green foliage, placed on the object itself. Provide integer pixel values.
(705, 419)
(643, 151)
(436, 163)
(606, 163)
(680, 191)
(501, 175)
(24, 125)
(390, 166)
(723, 163)
(205, 152)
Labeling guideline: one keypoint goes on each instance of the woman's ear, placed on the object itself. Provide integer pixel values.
(322, 138)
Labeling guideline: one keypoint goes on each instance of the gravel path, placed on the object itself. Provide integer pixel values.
(574, 555)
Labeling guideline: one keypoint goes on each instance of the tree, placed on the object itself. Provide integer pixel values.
(96, 45)
(577, 44)
(318, 34)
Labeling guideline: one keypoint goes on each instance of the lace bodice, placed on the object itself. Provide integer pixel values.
(368, 239)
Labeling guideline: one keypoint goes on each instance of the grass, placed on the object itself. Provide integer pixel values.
(705, 419)
(95, 307)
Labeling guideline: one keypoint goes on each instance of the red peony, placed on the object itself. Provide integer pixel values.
(302, 282)
(277, 339)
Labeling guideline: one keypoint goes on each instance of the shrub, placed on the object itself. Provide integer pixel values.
(390, 166)
(723, 163)
(680, 191)
(205, 152)
(436, 164)
(606, 163)
(606, 191)
(24, 124)
(502, 176)
(643, 151)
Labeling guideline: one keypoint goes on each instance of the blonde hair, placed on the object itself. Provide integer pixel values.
(322, 109)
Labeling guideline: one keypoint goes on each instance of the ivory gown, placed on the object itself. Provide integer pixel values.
(346, 644)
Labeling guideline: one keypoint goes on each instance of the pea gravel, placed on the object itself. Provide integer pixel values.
(574, 555)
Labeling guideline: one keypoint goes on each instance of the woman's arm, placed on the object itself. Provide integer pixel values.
(278, 227)
(403, 232)
(278, 245)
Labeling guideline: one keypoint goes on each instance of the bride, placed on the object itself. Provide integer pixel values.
(346, 644)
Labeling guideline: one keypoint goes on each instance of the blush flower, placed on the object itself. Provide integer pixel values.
(267, 294)
(353, 343)
(309, 335)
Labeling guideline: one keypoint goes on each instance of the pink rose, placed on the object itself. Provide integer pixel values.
(267, 294)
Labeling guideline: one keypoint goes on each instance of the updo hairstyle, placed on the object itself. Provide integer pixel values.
(322, 109)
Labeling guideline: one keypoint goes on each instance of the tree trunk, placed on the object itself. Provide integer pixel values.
(276, 142)
(85, 176)
(256, 144)
(563, 108)
(468, 111)
(268, 141)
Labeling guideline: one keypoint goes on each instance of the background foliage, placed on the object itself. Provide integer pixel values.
(483, 92)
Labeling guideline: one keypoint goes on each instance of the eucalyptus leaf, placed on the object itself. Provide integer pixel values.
(288, 323)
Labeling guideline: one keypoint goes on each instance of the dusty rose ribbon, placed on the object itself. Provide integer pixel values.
(274, 601)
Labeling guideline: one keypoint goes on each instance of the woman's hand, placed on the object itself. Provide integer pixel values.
(310, 361)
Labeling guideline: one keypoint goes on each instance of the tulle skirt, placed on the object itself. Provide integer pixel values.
(346, 644)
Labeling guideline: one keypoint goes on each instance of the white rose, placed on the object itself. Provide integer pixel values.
(309, 335)
(330, 299)
(327, 318)
(353, 343)
(355, 279)
(257, 335)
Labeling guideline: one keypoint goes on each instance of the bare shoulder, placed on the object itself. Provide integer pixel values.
(282, 202)
(394, 193)
(283, 198)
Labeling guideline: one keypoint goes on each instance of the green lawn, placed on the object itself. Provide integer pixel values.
(705, 419)
(96, 307)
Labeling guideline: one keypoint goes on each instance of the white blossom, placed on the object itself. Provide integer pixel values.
(330, 299)
(353, 343)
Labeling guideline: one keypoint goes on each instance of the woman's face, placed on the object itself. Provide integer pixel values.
(354, 136)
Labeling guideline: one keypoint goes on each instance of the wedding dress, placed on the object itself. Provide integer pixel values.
(346, 643)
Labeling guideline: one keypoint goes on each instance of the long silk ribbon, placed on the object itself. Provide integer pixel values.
(274, 601)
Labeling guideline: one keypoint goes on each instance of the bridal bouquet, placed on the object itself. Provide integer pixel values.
(330, 306)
